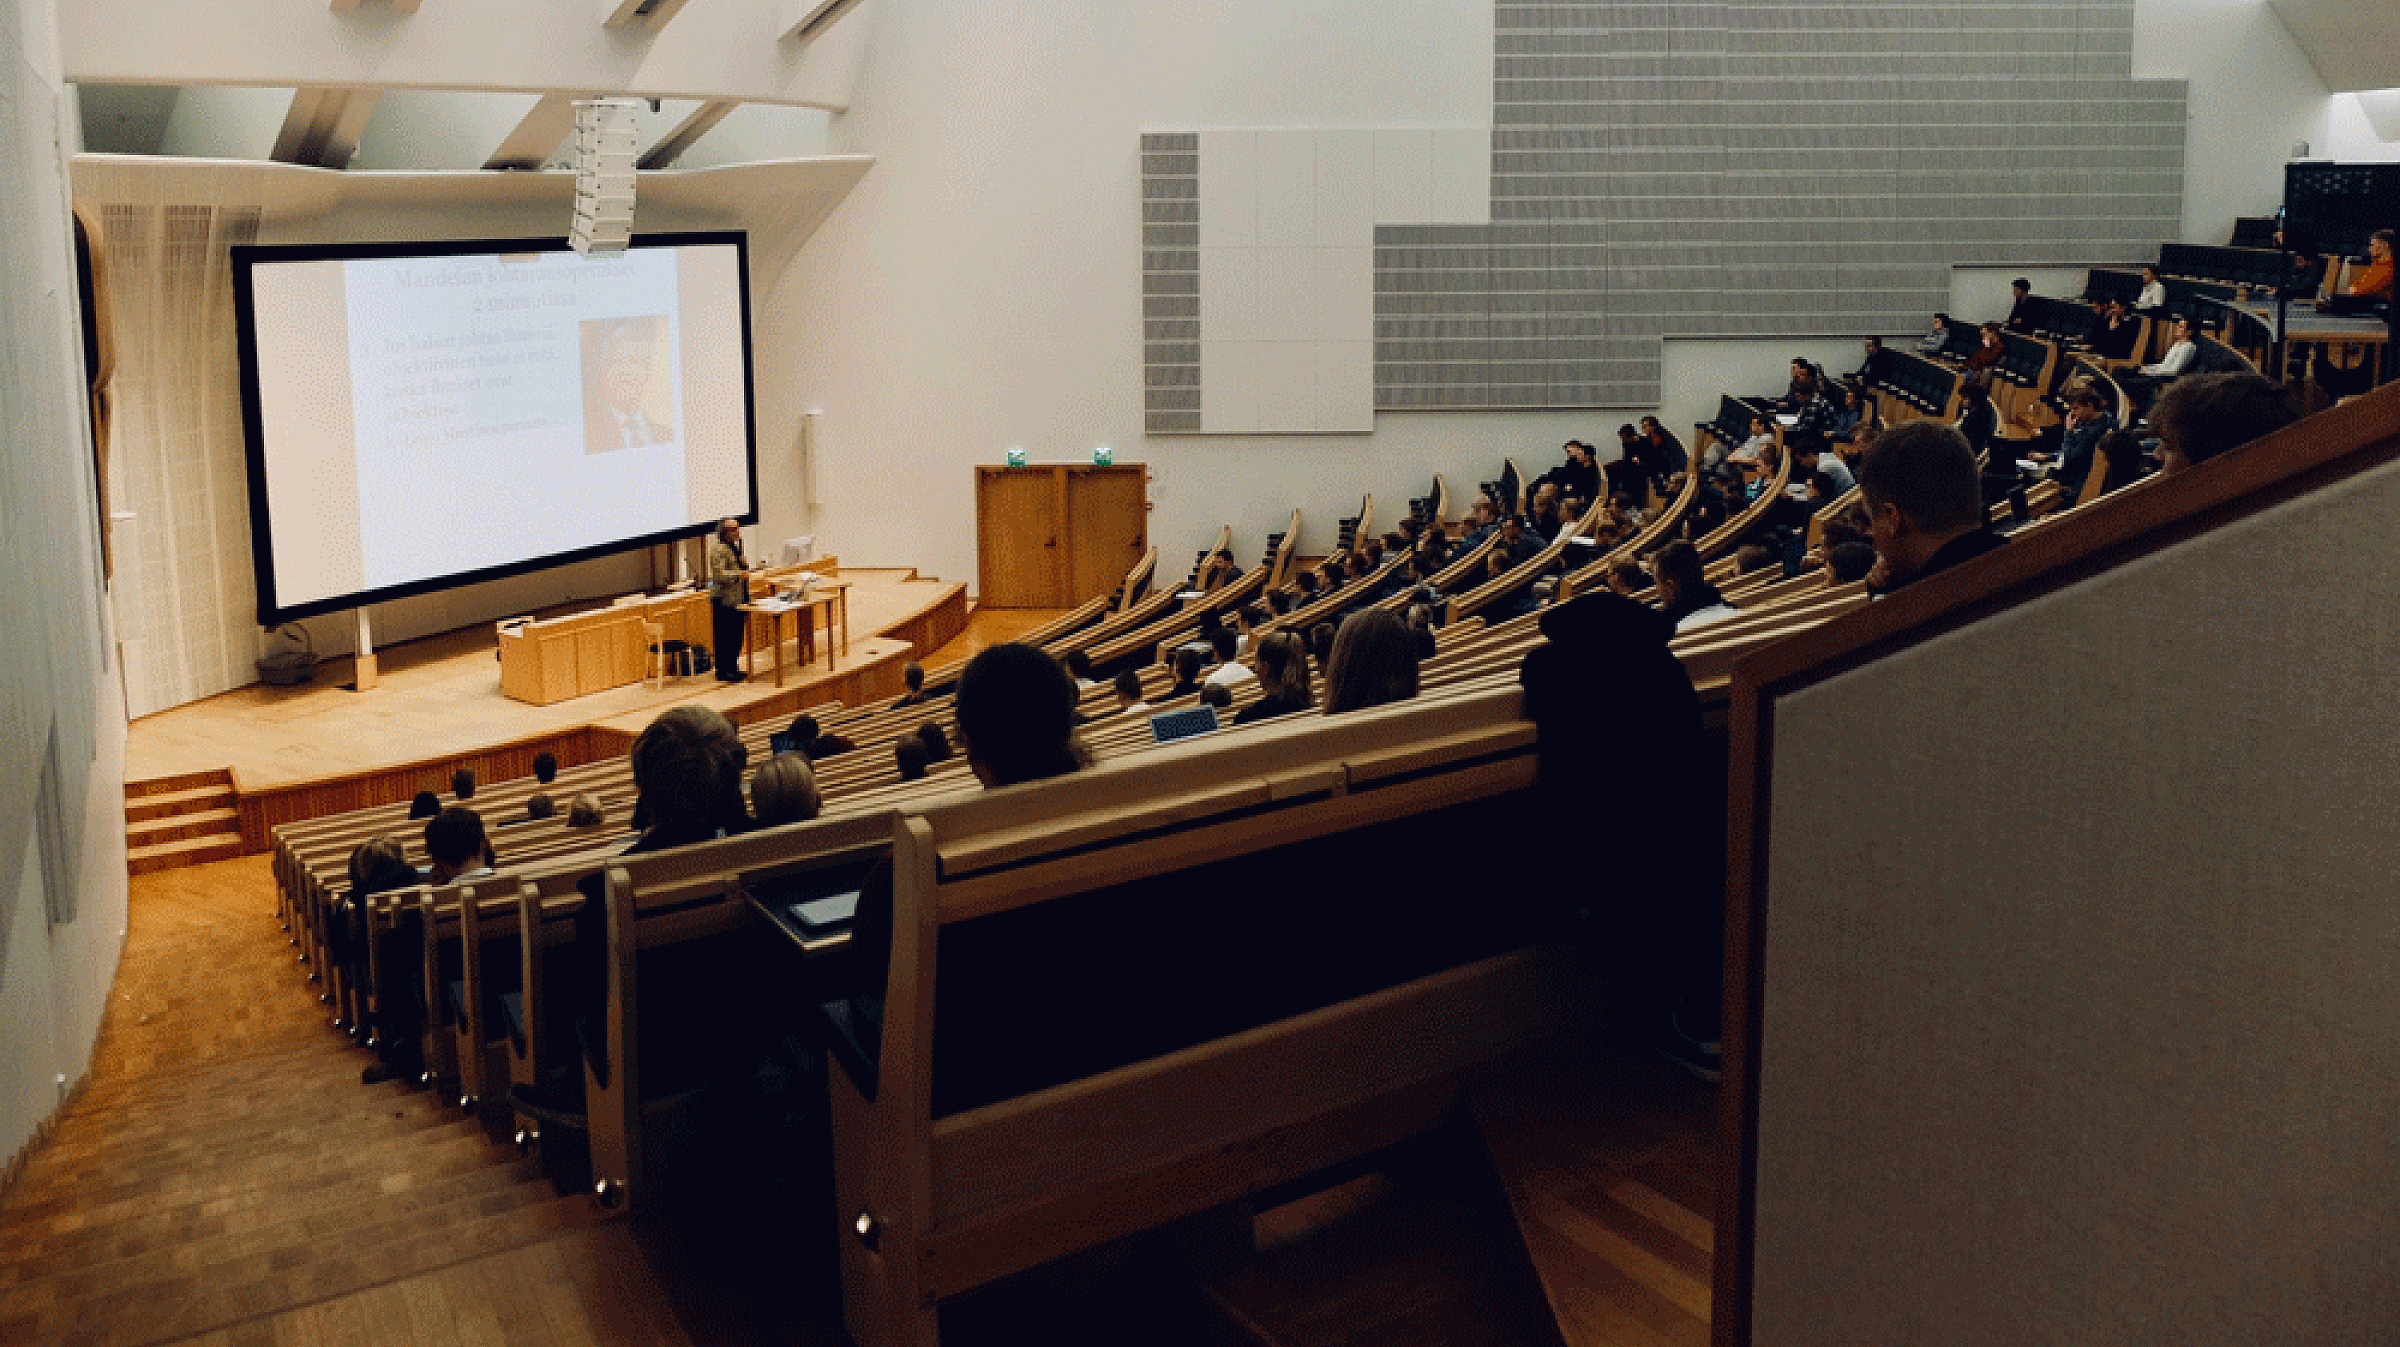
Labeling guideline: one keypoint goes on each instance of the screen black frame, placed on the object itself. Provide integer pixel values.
(246, 257)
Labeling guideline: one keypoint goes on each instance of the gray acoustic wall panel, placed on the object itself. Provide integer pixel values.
(1662, 168)
(1171, 281)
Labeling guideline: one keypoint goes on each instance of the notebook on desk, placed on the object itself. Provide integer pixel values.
(1168, 726)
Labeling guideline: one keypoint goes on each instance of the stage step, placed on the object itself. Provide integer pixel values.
(187, 851)
(184, 819)
(1609, 1163)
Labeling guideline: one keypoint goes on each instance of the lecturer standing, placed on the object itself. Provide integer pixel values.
(729, 589)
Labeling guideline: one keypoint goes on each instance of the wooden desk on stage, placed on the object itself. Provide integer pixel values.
(561, 657)
(833, 596)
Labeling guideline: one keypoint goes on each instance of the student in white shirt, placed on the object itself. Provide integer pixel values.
(1229, 671)
(1129, 694)
(2179, 356)
(2154, 291)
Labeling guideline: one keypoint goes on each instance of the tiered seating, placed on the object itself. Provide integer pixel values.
(1914, 386)
(2065, 321)
(2259, 268)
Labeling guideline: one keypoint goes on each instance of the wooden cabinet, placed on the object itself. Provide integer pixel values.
(1053, 535)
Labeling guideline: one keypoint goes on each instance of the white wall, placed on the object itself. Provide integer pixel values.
(2352, 135)
(982, 288)
(224, 122)
(54, 975)
(2253, 96)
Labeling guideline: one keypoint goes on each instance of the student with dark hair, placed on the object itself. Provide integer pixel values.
(545, 767)
(1187, 673)
(1875, 366)
(1079, 667)
(1686, 598)
(1663, 455)
(540, 807)
(784, 790)
(814, 742)
(1247, 619)
(1282, 676)
(2020, 306)
(1627, 578)
(908, 752)
(1373, 662)
(936, 741)
(1848, 562)
(456, 846)
(424, 805)
(462, 783)
(2087, 419)
(1129, 694)
(1924, 504)
(1229, 671)
(912, 676)
(376, 866)
(1320, 644)
(2202, 415)
(2113, 338)
(1306, 583)
(1217, 695)
(1934, 341)
(584, 811)
(1016, 710)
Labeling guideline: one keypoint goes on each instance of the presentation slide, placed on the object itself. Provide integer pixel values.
(419, 418)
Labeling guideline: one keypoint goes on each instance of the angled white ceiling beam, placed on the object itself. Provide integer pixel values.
(323, 126)
(671, 146)
(543, 129)
(814, 17)
(2354, 44)
(654, 13)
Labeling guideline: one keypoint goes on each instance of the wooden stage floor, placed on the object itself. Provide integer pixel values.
(441, 695)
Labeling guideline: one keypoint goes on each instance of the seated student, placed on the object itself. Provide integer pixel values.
(1280, 601)
(1762, 438)
(1803, 385)
(540, 807)
(1664, 455)
(1247, 619)
(545, 767)
(1306, 583)
(1420, 621)
(423, 805)
(1849, 408)
(908, 753)
(1079, 662)
(1808, 455)
(2114, 337)
(1933, 342)
(1229, 670)
(1016, 711)
(784, 790)
(1374, 662)
(456, 847)
(1751, 557)
(377, 866)
(1978, 420)
(912, 674)
(1848, 563)
(1187, 673)
(1925, 500)
(1685, 597)
(1578, 476)
(2374, 281)
(584, 811)
(1604, 687)
(2142, 386)
(1217, 695)
(1282, 676)
(462, 783)
(2087, 419)
(1517, 543)
(1544, 523)
(1875, 367)
(2202, 415)
(1129, 694)
(1219, 570)
(2154, 291)
(1991, 350)
(1628, 578)
(814, 742)
(936, 741)
(1320, 643)
(1513, 604)
(2020, 306)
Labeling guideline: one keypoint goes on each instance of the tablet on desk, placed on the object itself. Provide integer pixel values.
(1168, 726)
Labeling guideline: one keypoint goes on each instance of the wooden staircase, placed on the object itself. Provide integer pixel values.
(184, 819)
(1577, 1213)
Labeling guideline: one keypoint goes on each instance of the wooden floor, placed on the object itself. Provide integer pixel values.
(442, 695)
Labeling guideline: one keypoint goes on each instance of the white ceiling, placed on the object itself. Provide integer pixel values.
(2355, 44)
